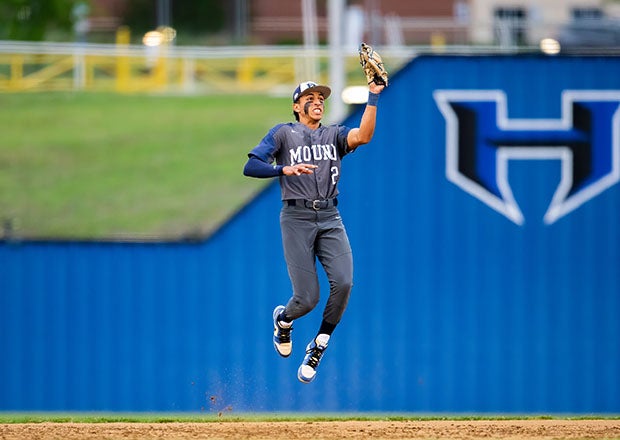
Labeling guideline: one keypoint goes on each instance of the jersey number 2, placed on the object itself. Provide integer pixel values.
(334, 171)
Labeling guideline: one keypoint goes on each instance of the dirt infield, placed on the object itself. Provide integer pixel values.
(326, 430)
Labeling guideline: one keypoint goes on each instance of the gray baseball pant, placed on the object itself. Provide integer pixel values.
(308, 235)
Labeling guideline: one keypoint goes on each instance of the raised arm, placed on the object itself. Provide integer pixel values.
(363, 134)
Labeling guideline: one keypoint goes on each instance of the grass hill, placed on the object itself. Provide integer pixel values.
(106, 166)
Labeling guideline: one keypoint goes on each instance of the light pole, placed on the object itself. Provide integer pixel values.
(336, 63)
(241, 18)
(308, 11)
(164, 14)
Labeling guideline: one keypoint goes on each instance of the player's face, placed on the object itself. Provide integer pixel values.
(310, 107)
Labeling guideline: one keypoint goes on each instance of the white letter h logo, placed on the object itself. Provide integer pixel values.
(481, 140)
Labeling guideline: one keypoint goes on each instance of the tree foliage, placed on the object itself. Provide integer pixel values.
(30, 20)
(197, 17)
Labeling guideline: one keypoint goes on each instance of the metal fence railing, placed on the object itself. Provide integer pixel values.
(26, 66)
(134, 68)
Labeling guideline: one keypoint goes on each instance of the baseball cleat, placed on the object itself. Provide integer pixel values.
(314, 353)
(282, 334)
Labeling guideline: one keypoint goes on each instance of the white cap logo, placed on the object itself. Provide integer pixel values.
(309, 86)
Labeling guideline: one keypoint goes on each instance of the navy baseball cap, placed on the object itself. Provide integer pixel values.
(307, 87)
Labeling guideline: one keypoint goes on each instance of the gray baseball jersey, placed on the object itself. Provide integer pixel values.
(293, 143)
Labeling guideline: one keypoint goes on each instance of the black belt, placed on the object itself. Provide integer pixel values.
(313, 204)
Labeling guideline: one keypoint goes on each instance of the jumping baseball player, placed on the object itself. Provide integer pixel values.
(307, 158)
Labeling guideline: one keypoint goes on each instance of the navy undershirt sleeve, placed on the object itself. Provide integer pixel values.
(255, 167)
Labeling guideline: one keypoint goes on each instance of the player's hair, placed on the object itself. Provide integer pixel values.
(295, 113)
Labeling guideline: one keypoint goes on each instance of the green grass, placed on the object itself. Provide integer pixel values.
(91, 166)
(263, 417)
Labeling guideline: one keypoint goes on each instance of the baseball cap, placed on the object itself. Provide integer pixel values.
(307, 87)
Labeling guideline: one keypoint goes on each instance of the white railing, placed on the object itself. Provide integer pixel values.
(190, 69)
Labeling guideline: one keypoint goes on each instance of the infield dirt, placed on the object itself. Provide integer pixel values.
(326, 430)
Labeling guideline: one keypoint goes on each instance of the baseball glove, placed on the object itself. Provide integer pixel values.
(372, 64)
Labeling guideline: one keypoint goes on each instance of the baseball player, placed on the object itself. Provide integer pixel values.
(307, 156)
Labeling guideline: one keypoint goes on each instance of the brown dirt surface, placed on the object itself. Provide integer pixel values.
(326, 430)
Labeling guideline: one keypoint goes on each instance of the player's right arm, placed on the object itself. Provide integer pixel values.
(256, 167)
(261, 158)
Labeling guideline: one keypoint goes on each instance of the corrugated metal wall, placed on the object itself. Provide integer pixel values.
(455, 307)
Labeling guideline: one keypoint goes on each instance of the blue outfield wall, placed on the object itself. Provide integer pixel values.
(484, 222)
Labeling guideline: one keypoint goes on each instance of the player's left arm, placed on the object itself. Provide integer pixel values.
(363, 134)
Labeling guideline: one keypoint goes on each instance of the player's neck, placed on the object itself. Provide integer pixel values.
(310, 123)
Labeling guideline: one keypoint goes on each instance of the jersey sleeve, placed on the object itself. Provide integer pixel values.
(268, 147)
(341, 139)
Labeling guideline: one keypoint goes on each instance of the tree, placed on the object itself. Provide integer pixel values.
(190, 16)
(30, 20)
